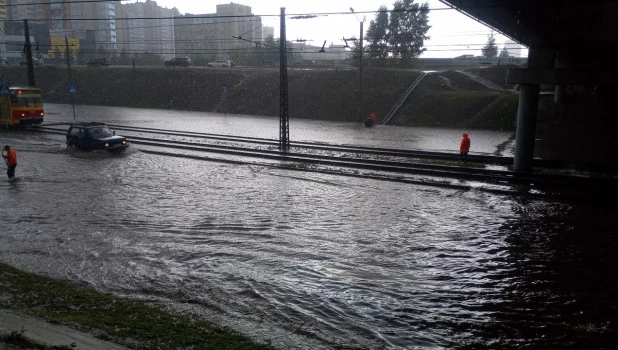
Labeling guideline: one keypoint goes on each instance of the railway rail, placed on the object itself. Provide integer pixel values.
(415, 166)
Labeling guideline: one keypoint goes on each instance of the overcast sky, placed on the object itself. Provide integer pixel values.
(451, 34)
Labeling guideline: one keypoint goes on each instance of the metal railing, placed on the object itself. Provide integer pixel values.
(403, 99)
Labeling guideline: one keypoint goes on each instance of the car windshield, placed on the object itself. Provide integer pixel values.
(100, 132)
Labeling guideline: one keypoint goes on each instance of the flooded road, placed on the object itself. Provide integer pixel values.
(307, 260)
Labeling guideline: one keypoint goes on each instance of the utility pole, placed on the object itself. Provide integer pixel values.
(28, 52)
(284, 124)
(360, 77)
(68, 54)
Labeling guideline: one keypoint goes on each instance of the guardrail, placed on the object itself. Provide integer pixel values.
(403, 99)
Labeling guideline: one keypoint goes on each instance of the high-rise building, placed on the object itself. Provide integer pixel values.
(95, 24)
(132, 28)
(13, 40)
(145, 27)
(12, 30)
(232, 27)
(238, 23)
(18, 9)
(60, 15)
(268, 32)
(514, 49)
(32, 10)
(3, 59)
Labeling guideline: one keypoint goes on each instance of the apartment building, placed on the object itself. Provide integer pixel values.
(95, 24)
(12, 30)
(268, 32)
(145, 27)
(25, 9)
(107, 28)
(3, 59)
(233, 27)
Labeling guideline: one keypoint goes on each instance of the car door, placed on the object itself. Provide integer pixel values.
(87, 140)
(82, 139)
(73, 137)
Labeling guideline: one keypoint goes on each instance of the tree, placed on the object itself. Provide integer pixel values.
(377, 47)
(407, 30)
(491, 49)
(398, 36)
(504, 53)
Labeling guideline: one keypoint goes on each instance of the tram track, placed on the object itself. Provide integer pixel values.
(373, 151)
(389, 162)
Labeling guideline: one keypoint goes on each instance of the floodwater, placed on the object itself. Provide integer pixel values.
(313, 261)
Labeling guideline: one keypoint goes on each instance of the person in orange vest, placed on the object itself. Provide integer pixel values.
(11, 160)
(371, 119)
(464, 147)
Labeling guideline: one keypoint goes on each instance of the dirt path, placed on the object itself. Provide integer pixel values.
(49, 333)
(487, 83)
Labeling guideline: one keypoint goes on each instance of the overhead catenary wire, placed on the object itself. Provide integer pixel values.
(214, 20)
(50, 2)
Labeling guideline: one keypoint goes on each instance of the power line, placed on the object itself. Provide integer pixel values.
(58, 2)
(217, 20)
(208, 16)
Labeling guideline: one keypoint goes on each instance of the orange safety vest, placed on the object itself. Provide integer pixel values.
(464, 147)
(11, 157)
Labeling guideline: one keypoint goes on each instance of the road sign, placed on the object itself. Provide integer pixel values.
(72, 89)
(4, 90)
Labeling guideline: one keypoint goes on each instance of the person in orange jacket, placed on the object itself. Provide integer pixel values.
(11, 160)
(464, 147)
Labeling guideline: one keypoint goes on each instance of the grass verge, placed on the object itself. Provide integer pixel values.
(20, 340)
(130, 322)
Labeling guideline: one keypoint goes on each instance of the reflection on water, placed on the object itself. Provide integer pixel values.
(435, 139)
(314, 261)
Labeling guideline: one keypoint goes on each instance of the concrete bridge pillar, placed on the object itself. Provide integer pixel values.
(559, 93)
(528, 110)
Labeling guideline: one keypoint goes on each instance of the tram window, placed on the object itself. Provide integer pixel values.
(26, 100)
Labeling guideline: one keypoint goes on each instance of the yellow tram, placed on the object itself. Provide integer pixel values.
(21, 106)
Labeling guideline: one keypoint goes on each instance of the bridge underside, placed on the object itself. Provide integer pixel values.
(570, 49)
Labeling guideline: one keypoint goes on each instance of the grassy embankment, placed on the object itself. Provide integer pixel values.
(452, 100)
(125, 321)
(445, 99)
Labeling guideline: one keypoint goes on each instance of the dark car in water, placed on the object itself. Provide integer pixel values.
(95, 136)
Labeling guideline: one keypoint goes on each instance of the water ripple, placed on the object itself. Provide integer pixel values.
(313, 261)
